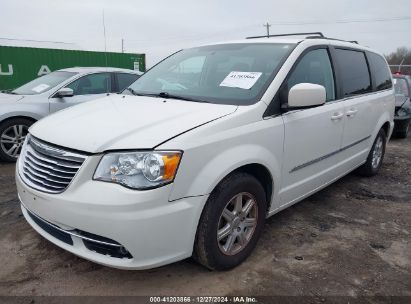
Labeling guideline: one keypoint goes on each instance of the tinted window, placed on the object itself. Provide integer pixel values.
(43, 83)
(354, 72)
(92, 84)
(314, 67)
(237, 73)
(381, 72)
(124, 80)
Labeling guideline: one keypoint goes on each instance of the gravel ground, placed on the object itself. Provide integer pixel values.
(351, 239)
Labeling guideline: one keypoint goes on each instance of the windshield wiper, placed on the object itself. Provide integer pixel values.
(167, 95)
(131, 91)
(9, 92)
(140, 94)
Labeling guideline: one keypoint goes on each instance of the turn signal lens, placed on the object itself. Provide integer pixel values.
(171, 162)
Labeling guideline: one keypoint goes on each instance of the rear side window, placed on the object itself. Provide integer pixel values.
(91, 84)
(124, 80)
(381, 72)
(354, 72)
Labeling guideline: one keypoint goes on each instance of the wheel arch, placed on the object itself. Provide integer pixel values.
(262, 174)
(32, 119)
(385, 123)
(386, 127)
(201, 175)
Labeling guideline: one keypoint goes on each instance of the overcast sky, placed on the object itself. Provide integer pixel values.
(159, 27)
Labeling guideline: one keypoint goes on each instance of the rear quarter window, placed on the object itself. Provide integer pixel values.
(380, 71)
(355, 75)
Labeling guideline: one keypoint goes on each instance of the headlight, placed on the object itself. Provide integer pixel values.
(139, 170)
(402, 112)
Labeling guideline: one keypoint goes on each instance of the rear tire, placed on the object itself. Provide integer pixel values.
(231, 222)
(375, 157)
(12, 135)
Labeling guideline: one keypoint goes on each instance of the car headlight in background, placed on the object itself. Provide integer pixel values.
(402, 112)
(139, 170)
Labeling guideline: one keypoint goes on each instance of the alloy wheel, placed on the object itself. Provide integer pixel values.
(237, 223)
(377, 153)
(12, 139)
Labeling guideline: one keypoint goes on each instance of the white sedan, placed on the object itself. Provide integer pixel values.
(21, 107)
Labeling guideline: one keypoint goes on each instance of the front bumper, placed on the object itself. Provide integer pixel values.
(151, 229)
(402, 118)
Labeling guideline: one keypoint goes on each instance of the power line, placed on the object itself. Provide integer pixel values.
(31, 40)
(345, 21)
(267, 25)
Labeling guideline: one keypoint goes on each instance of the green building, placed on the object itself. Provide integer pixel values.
(19, 65)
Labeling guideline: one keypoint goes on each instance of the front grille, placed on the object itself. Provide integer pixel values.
(48, 168)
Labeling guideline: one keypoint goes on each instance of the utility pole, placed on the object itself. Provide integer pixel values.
(267, 25)
(122, 45)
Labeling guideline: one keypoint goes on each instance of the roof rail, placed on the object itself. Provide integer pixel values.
(335, 39)
(318, 34)
(312, 35)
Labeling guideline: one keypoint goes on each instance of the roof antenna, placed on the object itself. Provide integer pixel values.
(105, 48)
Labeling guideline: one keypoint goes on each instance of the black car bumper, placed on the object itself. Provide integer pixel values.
(401, 122)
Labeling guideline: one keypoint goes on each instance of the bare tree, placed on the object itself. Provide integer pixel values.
(402, 56)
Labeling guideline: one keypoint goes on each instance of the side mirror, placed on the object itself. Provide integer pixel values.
(65, 92)
(305, 95)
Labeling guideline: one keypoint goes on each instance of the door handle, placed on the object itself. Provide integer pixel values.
(352, 112)
(337, 116)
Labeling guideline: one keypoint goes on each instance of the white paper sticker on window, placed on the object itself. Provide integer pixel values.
(40, 88)
(242, 80)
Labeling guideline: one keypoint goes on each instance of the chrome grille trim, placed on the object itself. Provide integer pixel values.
(48, 168)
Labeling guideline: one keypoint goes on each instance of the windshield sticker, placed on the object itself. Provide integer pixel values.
(40, 88)
(242, 80)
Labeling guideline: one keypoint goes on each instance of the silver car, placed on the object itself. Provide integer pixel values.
(21, 107)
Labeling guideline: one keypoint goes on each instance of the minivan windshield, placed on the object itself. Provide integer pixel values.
(235, 74)
(43, 83)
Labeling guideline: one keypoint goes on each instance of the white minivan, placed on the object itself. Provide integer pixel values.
(200, 150)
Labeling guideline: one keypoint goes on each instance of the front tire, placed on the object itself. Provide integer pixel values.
(12, 135)
(231, 222)
(375, 157)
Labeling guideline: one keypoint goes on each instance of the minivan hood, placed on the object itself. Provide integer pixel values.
(120, 122)
(10, 97)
